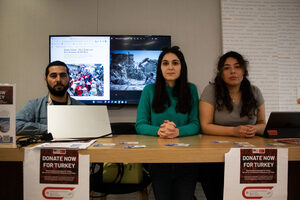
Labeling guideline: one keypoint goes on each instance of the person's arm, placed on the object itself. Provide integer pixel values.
(206, 111)
(208, 127)
(260, 121)
(260, 125)
(193, 125)
(26, 121)
(143, 118)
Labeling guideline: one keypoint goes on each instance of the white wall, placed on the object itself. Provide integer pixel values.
(270, 40)
(25, 25)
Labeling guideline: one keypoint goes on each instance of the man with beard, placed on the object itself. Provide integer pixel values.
(32, 119)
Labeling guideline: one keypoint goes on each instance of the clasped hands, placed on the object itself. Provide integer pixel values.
(168, 130)
(245, 131)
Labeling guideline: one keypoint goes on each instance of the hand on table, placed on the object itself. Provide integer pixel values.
(245, 131)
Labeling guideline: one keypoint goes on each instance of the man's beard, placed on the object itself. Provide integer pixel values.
(58, 93)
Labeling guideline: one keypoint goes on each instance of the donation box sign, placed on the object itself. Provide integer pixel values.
(256, 173)
(55, 174)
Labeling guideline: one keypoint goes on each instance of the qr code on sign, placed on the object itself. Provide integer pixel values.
(5, 138)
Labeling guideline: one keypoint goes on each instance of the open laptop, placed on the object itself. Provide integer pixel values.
(283, 125)
(78, 121)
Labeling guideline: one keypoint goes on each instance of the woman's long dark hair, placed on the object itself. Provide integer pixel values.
(181, 89)
(223, 99)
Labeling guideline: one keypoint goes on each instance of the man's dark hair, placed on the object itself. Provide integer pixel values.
(181, 89)
(56, 63)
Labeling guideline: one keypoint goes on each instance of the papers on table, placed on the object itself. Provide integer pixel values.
(66, 145)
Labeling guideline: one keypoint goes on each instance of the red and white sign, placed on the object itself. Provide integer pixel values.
(256, 173)
(59, 166)
(55, 174)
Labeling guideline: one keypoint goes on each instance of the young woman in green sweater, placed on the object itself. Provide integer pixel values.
(169, 109)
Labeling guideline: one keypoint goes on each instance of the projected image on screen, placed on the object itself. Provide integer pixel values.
(86, 80)
(108, 69)
(132, 70)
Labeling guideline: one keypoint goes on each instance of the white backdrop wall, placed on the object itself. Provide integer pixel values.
(267, 33)
(25, 25)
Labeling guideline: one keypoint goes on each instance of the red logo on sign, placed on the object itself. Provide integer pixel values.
(272, 132)
(257, 192)
(259, 151)
(56, 192)
(59, 151)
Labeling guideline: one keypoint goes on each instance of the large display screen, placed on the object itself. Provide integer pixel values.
(111, 69)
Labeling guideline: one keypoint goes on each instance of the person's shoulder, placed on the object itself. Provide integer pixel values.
(152, 85)
(256, 91)
(257, 95)
(192, 86)
(38, 99)
(149, 87)
(209, 87)
(36, 102)
(255, 88)
(208, 93)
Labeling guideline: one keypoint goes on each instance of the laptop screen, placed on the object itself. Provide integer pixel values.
(283, 125)
(78, 121)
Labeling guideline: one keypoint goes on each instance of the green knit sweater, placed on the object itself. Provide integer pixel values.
(148, 121)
